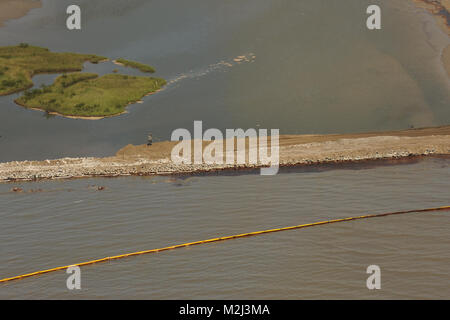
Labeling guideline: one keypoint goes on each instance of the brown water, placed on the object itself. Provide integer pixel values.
(70, 222)
(317, 70)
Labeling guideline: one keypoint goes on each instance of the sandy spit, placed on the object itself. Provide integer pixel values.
(441, 10)
(14, 9)
(295, 150)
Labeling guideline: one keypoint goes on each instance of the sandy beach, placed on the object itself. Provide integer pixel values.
(295, 150)
(14, 9)
(441, 10)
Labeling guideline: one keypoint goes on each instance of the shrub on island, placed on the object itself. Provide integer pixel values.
(137, 65)
(19, 63)
(87, 95)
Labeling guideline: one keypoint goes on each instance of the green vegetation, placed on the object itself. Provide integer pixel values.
(87, 95)
(73, 94)
(19, 63)
(140, 66)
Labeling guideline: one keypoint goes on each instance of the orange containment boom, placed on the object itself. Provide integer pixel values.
(250, 234)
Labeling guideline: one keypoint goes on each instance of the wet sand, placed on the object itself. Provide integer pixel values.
(441, 10)
(446, 59)
(14, 9)
(295, 150)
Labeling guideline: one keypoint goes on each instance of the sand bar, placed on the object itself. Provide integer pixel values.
(441, 10)
(295, 150)
(14, 9)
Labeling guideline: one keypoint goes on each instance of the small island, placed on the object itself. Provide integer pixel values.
(137, 65)
(87, 95)
(18, 64)
(75, 94)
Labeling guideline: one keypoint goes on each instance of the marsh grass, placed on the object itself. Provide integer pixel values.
(19, 63)
(87, 95)
(137, 65)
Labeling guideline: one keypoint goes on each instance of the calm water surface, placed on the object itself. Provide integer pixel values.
(70, 222)
(317, 70)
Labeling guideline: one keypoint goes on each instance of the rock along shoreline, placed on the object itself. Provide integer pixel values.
(295, 150)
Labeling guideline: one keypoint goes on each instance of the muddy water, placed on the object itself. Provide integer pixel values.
(72, 221)
(317, 69)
